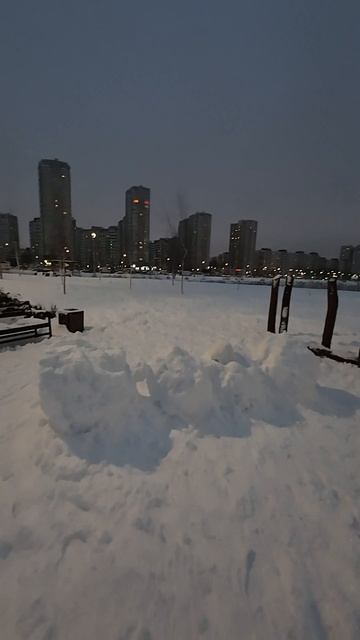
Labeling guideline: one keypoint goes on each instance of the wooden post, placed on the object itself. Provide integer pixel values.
(331, 313)
(285, 307)
(271, 327)
(63, 269)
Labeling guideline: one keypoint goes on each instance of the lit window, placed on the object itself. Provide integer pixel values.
(136, 201)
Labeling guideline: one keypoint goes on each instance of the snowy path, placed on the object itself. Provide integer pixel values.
(244, 525)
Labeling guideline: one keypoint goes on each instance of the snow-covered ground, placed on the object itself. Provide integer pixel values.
(175, 472)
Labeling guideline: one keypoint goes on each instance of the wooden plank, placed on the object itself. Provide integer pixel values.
(333, 302)
(325, 353)
(271, 327)
(285, 307)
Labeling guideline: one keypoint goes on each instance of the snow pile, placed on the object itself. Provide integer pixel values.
(92, 400)
(107, 410)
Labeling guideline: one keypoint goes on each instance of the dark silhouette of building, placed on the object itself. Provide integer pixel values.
(242, 244)
(346, 258)
(281, 260)
(194, 239)
(264, 259)
(100, 244)
(161, 254)
(9, 237)
(136, 226)
(97, 247)
(355, 263)
(35, 238)
(166, 254)
(220, 263)
(333, 264)
(83, 248)
(113, 246)
(55, 209)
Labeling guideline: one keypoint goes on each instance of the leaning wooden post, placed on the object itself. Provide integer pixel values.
(285, 307)
(333, 302)
(271, 327)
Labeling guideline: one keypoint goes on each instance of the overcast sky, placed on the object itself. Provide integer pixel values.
(243, 108)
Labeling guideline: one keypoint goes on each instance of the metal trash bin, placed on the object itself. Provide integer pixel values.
(73, 319)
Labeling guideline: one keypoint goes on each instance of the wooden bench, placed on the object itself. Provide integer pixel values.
(13, 309)
(25, 331)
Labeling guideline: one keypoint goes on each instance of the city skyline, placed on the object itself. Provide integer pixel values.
(127, 244)
(55, 235)
(249, 111)
(171, 223)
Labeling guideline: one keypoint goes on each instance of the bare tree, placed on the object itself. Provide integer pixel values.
(178, 248)
(182, 213)
(173, 252)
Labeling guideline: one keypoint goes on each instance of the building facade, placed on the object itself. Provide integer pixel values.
(242, 244)
(346, 258)
(194, 238)
(9, 237)
(264, 259)
(35, 238)
(83, 249)
(113, 246)
(57, 231)
(97, 247)
(161, 254)
(136, 226)
(355, 263)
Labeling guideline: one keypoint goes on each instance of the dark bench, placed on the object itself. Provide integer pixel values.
(12, 309)
(15, 313)
(25, 331)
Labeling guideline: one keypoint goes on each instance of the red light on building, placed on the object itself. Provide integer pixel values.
(146, 202)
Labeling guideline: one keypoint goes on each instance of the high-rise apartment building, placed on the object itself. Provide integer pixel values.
(55, 209)
(194, 238)
(166, 254)
(136, 226)
(113, 246)
(9, 236)
(97, 247)
(84, 252)
(242, 244)
(35, 238)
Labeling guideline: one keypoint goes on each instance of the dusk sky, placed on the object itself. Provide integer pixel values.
(244, 109)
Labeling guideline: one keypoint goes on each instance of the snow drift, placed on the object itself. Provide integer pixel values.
(107, 410)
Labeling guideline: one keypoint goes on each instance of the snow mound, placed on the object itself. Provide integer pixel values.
(92, 401)
(107, 411)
